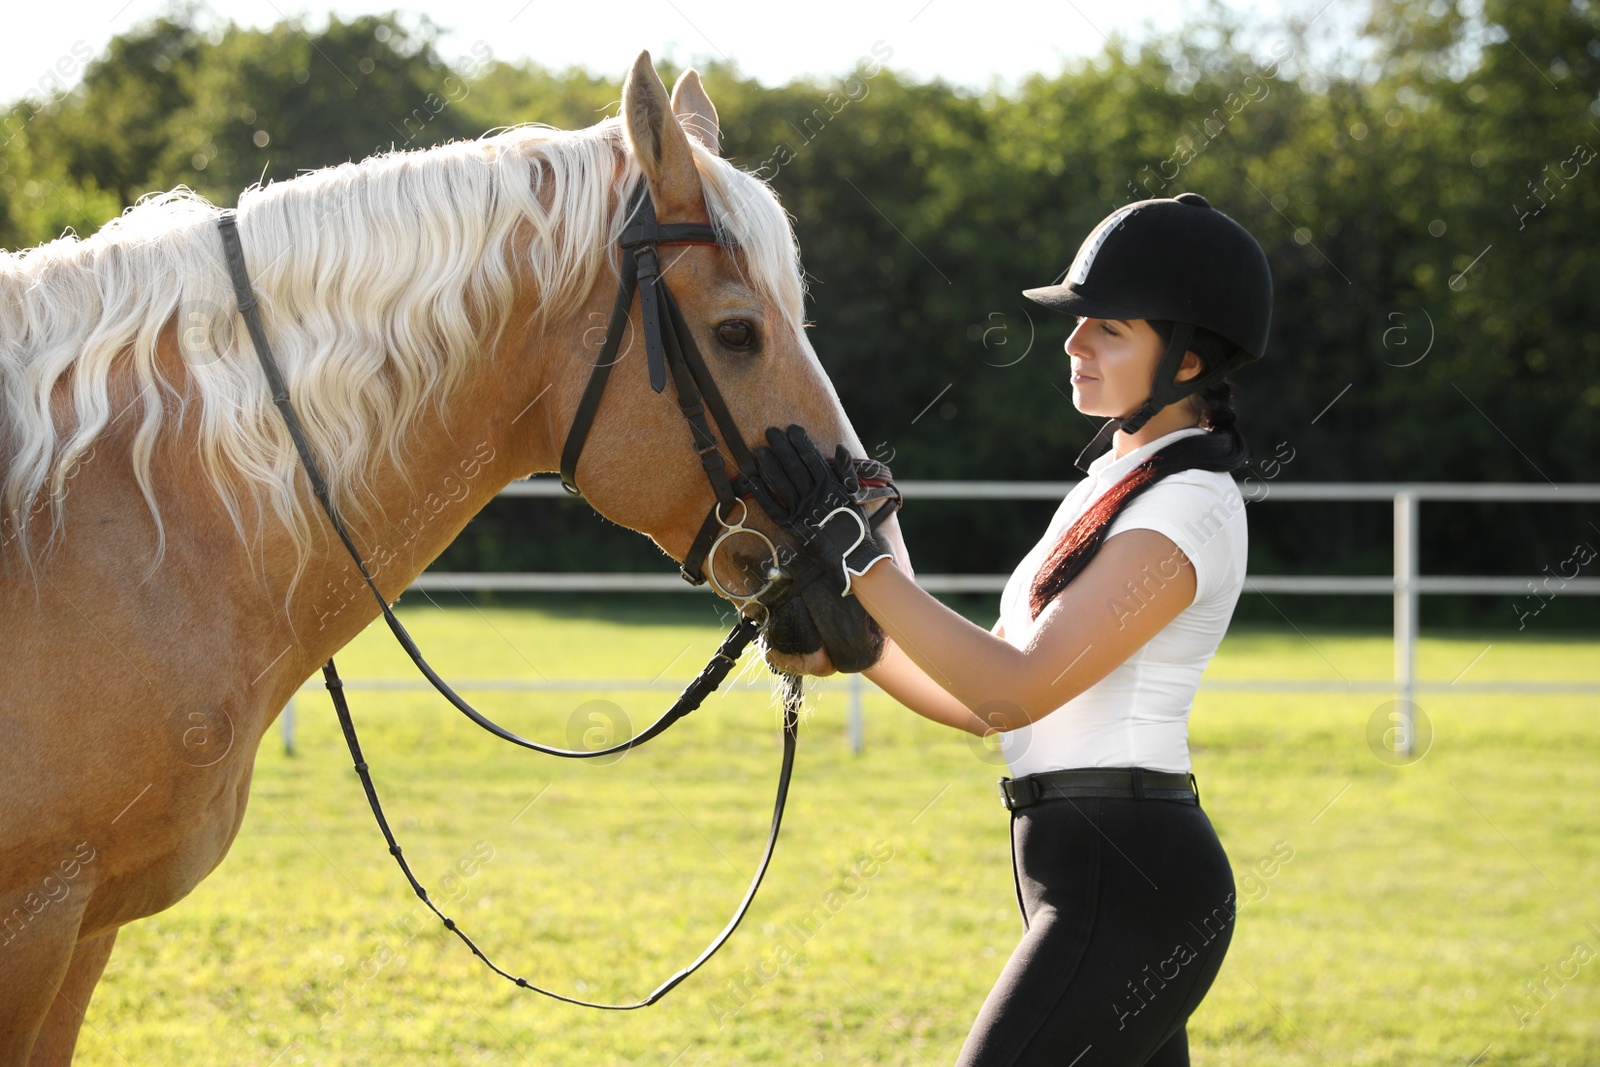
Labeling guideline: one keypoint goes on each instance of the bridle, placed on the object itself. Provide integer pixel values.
(669, 345)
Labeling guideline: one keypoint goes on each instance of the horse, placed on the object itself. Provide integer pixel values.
(170, 582)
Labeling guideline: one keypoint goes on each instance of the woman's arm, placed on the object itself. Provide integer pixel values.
(908, 683)
(1137, 583)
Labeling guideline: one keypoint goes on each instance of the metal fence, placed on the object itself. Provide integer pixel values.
(1406, 585)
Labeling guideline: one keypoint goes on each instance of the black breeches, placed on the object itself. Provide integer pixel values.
(1128, 907)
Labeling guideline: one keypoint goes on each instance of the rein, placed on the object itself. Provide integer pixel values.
(669, 344)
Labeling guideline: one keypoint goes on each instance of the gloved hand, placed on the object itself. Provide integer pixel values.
(819, 501)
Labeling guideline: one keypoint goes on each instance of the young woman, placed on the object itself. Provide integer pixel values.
(1105, 627)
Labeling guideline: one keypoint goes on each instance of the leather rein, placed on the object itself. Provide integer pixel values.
(669, 345)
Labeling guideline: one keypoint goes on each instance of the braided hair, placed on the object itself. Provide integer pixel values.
(1222, 448)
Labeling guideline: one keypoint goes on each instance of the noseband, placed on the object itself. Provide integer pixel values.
(669, 345)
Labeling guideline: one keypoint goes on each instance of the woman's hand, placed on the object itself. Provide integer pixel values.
(820, 501)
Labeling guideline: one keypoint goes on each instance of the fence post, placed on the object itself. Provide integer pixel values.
(1405, 613)
(855, 728)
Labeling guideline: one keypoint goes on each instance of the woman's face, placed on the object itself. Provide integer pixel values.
(1113, 363)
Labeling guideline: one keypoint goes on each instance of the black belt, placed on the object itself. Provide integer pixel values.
(1128, 783)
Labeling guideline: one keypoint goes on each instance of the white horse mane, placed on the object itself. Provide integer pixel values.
(380, 284)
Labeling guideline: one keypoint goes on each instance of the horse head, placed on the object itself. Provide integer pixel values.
(740, 298)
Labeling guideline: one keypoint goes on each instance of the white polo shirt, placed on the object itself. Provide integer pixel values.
(1138, 715)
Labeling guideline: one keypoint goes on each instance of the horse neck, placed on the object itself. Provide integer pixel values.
(461, 454)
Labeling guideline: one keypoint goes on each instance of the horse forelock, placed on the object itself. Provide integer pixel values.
(379, 282)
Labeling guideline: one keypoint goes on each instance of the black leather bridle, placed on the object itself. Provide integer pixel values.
(669, 345)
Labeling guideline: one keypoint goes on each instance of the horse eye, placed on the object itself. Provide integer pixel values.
(736, 333)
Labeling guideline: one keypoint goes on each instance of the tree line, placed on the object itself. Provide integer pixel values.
(1428, 213)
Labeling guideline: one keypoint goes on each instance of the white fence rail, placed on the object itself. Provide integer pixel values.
(1404, 584)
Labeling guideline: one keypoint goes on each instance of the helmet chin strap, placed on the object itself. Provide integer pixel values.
(1164, 389)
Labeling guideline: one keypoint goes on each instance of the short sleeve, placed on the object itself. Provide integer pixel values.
(1202, 512)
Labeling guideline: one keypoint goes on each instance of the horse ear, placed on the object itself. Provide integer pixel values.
(695, 111)
(659, 143)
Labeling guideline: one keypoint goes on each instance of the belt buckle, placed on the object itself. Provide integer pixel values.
(1019, 792)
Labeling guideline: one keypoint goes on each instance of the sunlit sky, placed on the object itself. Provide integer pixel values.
(958, 40)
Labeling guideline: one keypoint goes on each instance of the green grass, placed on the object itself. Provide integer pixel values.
(1418, 901)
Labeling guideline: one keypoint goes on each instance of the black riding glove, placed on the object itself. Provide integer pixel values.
(819, 498)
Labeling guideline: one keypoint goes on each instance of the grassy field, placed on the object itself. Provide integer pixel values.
(1418, 903)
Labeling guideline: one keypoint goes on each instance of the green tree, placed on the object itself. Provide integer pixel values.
(166, 107)
(1426, 214)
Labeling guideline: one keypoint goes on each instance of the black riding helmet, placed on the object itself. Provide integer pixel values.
(1180, 260)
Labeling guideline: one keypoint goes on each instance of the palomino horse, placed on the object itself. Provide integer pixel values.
(166, 568)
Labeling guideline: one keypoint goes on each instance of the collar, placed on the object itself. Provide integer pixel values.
(1109, 468)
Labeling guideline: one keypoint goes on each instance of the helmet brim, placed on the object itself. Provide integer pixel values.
(1069, 301)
